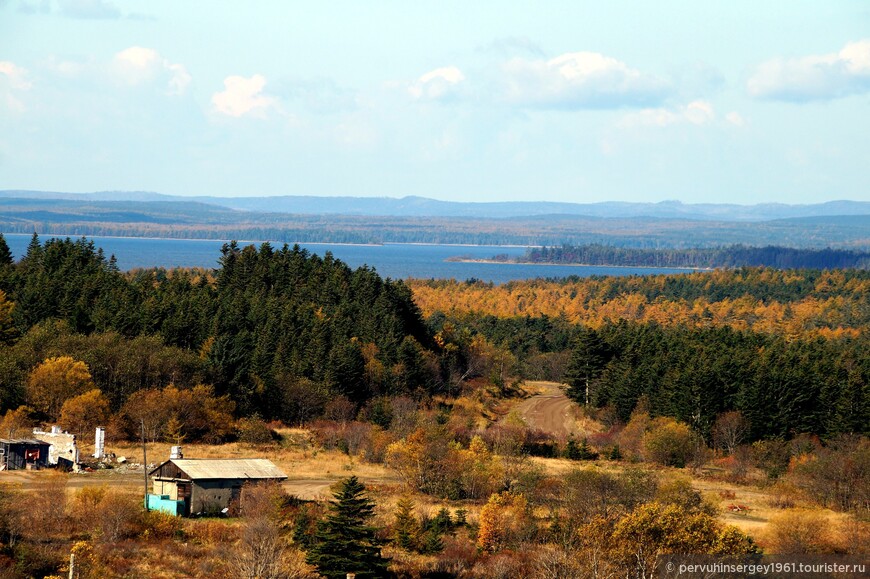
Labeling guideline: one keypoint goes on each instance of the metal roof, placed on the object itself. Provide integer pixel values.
(216, 468)
(23, 441)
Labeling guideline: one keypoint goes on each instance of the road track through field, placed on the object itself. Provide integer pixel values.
(549, 410)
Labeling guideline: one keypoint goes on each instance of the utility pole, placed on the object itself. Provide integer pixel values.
(145, 464)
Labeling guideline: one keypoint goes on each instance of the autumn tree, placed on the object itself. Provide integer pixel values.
(8, 331)
(176, 414)
(17, 423)
(505, 521)
(653, 529)
(83, 413)
(345, 542)
(729, 430)
(55, 381)
(263, 551)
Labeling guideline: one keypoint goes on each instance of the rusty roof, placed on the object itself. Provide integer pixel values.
(236, 468)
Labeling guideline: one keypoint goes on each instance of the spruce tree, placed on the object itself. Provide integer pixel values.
(5, 252)
(588, 358)
(345, 542)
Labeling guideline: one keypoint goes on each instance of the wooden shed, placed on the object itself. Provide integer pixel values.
(19, 453)
(190, 486)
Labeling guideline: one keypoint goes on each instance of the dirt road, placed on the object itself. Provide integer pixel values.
(550, 410)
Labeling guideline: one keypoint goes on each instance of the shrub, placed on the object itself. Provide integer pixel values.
(119, 516)
(254, 431)
(798, 531)
(669, 442)
(161, 525)
(211, 531)
(772, 456)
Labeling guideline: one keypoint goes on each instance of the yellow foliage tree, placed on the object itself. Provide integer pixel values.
(55, 381)
(83, 413)
(653, 529)
(17, 423)
(504, 522)
(7, 326)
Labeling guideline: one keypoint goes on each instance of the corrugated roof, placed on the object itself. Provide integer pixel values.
(211, 468)
(23, 441)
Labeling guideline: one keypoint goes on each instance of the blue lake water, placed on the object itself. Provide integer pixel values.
(397, 261)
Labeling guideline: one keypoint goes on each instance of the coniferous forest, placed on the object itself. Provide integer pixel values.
(268, 328)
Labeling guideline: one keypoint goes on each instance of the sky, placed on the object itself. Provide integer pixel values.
(703, 102)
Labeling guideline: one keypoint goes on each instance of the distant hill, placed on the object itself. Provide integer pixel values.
(412, 206)
(343, 220)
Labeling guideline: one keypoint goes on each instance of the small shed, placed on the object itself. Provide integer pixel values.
(189, 486)
(21, 453)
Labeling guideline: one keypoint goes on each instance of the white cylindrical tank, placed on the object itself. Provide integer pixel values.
(175, 452)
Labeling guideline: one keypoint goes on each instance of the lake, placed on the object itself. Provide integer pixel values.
(394, 260)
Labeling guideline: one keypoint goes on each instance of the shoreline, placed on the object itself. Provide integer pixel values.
(497, 262)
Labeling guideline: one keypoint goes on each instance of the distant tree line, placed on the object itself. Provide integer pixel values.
(719, 257)
(177, 221)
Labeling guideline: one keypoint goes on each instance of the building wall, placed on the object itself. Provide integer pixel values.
(170, 488)
(63, 445)
(214, 495)
(14, 455)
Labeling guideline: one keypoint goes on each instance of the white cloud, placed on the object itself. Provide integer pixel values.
(244, 96)
(696, 113)
(578, 80)
(438, 84)
(814, 77)
(138, 65)
(13, 79)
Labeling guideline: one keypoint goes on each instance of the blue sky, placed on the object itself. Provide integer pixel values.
(738, 102)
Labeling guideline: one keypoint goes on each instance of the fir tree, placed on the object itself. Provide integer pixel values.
(344, 542)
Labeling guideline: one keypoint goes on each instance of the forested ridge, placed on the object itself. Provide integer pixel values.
(718, 257)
